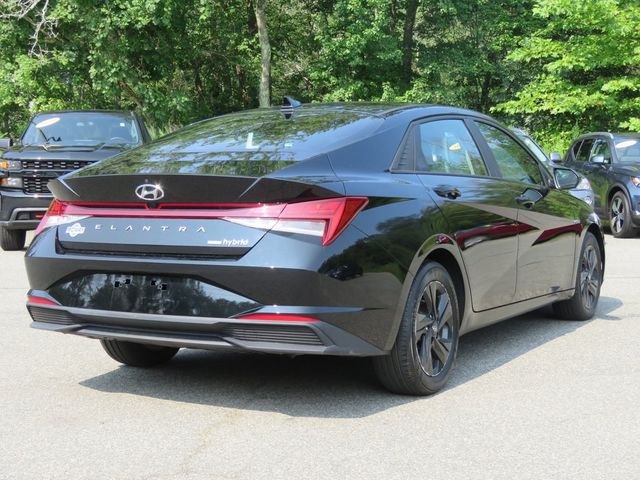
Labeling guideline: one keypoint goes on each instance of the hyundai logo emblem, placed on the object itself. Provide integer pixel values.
(150, 192)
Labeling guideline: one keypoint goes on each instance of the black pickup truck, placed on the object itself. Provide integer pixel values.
(53, 144)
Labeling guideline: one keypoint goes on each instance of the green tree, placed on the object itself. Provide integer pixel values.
(587, 58)
(462, 48)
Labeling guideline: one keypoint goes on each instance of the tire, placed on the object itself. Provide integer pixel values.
(583, 304)
(137, 354)
(620, 217)
(418, 363)
(12, 239)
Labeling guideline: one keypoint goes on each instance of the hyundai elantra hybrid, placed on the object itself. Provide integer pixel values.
(355, 229)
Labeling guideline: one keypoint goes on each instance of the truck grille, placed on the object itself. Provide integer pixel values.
(36, 181)
(54, 164)
(35, 184)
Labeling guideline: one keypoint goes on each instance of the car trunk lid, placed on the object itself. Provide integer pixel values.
(219, 216)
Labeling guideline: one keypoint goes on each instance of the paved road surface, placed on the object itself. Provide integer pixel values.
(531, 398)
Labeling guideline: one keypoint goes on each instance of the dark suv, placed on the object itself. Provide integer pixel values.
(611, 162)
(55, 143)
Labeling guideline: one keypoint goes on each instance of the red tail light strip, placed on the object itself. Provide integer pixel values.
(335, 213)
(42, 301)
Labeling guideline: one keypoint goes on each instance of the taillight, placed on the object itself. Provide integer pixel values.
(325, 218)
(57, 215)
(322, 218)
(42, 301)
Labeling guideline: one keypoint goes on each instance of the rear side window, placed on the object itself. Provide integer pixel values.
(574, 150)
(446, 146)
(585, 150)
(514, 162)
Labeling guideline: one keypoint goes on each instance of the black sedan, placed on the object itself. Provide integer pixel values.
(611, 161)
(347, 229)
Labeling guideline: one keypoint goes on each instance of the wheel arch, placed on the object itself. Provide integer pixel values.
(613, 189)
(597, 232)
(449, 262)
(442, 249)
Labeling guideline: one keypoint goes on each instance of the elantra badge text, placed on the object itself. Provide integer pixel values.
(147, 228)
(149, 192)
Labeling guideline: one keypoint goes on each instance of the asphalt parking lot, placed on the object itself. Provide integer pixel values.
(531, 398)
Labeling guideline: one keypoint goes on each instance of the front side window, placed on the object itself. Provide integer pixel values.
(514, 162)
(585, 151)
(601, 147)
(446, 146)
(535, 149)
(574, 150)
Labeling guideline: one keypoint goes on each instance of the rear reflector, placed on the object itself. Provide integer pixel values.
(326, 218)
(278, 317)
(42, 301)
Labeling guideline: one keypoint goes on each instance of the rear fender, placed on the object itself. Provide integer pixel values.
(435, 246)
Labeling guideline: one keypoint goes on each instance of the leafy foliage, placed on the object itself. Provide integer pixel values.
(587, 59)
(556, 67)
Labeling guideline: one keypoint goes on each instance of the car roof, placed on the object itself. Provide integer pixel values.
(385, 110)
(611, 135)
(54, 112)
(381, 109)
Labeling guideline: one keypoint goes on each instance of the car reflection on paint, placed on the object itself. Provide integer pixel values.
(583, 190)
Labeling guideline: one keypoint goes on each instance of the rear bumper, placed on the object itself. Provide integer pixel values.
(317, 338)
(17, 209)
(355, 308)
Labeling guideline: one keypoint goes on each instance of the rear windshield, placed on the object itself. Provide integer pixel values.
(82, 129)
(304, 134)
(628, 149)
(249, 143)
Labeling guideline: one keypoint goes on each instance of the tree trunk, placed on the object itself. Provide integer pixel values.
(485, 91)
(265, 47)
(407, 42)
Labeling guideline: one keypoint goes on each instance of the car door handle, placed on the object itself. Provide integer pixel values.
(450, 193)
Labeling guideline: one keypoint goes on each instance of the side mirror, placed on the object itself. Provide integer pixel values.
(566, 179)
(5, 143)
(598, 159)
(555, 157)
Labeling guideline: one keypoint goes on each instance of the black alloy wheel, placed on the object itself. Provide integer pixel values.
(583, 304)
(589, 277)
(620, 217)
(425, 348)
(434, 328)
